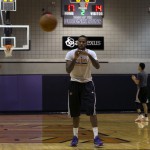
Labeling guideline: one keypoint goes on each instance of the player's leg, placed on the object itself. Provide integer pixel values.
(145, 107)
(74, 105)
(140, 115)
(94, 123)
(138, 108)
(93, 120)
(143, 97)
(76, 121)
(89, 98)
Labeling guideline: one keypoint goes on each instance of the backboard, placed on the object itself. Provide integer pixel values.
(19, 37)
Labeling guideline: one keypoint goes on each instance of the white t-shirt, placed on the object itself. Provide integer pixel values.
(82, 69)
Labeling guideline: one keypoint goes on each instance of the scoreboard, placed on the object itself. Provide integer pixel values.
(82, 12)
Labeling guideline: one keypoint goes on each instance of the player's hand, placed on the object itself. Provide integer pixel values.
(84, 53)
(133, 77)
(77, 53)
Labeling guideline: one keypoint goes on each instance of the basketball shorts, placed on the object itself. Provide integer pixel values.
(142, 95)
(81, 93)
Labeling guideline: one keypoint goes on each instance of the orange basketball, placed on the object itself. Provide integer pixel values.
(48, 22)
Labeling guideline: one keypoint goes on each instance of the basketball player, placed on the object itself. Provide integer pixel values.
(142, 92)
(81, 89)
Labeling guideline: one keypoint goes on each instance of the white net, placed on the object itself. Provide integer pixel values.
(8, 50)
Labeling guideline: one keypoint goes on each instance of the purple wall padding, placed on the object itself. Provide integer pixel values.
(21, 93)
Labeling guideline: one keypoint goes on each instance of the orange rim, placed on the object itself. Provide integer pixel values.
(8, 46)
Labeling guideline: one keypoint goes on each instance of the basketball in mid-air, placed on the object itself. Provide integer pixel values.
(48, 22)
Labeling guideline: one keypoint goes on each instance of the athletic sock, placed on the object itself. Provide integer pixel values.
(75, 132)
(95, 131)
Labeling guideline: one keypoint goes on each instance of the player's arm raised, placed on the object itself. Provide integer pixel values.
(135, 80)
(70, 64)
(95, 62)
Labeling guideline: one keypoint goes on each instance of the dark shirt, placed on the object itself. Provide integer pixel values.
(142, 77)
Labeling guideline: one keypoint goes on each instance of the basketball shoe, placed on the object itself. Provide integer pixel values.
(98, 142)
(74, 141)
(139, 118)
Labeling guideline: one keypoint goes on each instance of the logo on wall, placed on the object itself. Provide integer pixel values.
(70, 42)
(93, 43)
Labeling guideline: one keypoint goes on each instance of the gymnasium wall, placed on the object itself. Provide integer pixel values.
(49, 93)
(125, 29)
(36, 80)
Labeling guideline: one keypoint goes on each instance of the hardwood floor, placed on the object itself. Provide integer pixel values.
(54, 132)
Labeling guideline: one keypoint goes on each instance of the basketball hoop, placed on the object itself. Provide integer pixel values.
(8, 50)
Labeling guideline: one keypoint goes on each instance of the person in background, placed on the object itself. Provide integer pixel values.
(142, 92)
